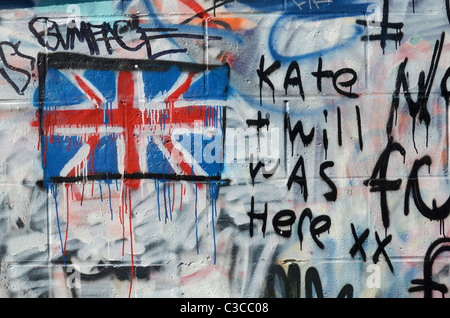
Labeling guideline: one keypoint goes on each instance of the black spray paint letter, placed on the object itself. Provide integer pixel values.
(427, 284)
(412, 188)
(382, 184)
(417, 109)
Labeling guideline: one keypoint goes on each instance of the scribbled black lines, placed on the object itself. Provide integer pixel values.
(8, 67)
(93, 35)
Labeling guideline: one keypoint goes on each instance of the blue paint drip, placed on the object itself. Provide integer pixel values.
(196, 216)
(214, 193)
(165, 203)
(110, 205)
(168, 195)
(54, 190)
(157, 195)
(101, 192)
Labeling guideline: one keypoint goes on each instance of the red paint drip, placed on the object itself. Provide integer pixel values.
(82, 195)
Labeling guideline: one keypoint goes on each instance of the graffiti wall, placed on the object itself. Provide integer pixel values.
(226, 148)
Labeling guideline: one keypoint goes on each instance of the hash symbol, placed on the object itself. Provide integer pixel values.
(385, 25)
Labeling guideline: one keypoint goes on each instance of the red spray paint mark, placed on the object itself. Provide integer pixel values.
(198, 9)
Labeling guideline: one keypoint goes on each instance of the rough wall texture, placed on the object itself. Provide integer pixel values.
(234, 148)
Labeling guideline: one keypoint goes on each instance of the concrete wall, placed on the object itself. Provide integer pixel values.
(272, 148)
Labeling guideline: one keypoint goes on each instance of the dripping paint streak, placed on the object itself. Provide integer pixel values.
(157, 199)
(173, 195)
(213, 188)
(196, 216)
(358, 118)
(339, 126)
(168, 197)
(165, 203)
(110, 204)
(67, 217)
(54, 191)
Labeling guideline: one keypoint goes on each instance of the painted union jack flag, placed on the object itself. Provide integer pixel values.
(105, 119)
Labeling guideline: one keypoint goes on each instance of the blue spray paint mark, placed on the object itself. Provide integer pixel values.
(158, 82)
(59, 91)
(168, 193)
(358, 32)
(110, 205)
(196, 216)
(104, 81)
(165, 203)
(54, 189)
(101, 192)
(214, 187)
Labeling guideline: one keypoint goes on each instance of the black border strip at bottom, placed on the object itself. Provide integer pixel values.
(136, 176)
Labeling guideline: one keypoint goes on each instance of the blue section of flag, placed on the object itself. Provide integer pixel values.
(205, 151)
(156, 83)
(60, 150)
(60, 91)
(105, 155)
(213, 85)
(105, 82)
(156, 162)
